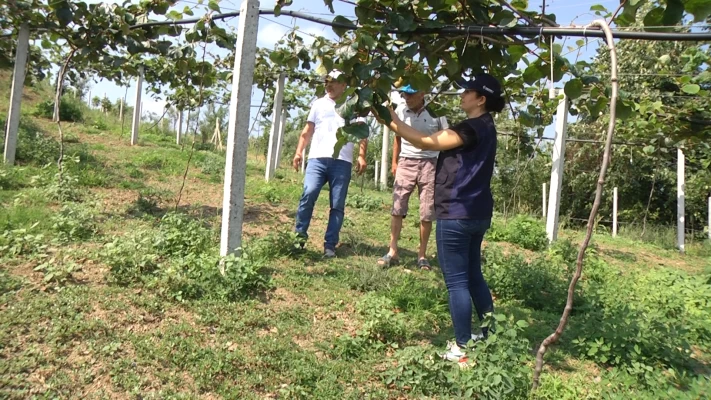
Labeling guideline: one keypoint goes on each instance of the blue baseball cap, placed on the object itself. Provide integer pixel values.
(483, 84)
(407, 89)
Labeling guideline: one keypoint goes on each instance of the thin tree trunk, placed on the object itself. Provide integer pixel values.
(553, 338)
(57, 118)
(649, 203)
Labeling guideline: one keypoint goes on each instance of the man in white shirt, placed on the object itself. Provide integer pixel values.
(322, 124)
(412, 168)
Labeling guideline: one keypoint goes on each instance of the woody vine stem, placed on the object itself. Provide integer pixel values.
(550, 340)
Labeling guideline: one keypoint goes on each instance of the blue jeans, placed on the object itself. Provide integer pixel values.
(459, 255)
(338, 175)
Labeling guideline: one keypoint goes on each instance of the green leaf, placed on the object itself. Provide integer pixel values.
(598, 7)
(623, 111)
(532, 74)
(654, 18)
(342, 140)
(347, 109)
(691, 88)
(365, 99)
(648, 149)
(700, 9)
(340, 31)
(573, 88)
(673, 13)
(421, 81)
(357, 131)
(522, 324)
(174, 15)
(516, 52)
(212, 5)
(383, 113)
(64, 15)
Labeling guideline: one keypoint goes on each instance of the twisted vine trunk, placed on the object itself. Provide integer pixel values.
(553, 338)
(57, 119)
(192, 146)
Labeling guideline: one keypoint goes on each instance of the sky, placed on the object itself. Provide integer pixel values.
(271, 29)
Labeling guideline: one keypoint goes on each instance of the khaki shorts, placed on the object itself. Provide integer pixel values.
(411, 173)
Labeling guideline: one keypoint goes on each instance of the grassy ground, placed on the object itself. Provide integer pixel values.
(109, 289)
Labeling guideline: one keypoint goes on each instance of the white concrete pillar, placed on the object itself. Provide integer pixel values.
(18, 86)
(282, 129)
(556, 184)
(179, 131)
(238, 130)
(138, 105)
(614, 212)
(384, 159)
(377, 173)
(680, 198)
(274, 131)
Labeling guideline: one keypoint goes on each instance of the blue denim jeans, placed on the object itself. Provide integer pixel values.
(459, 255)
(338, 175)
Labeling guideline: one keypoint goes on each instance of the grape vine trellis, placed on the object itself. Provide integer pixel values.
(425, 44)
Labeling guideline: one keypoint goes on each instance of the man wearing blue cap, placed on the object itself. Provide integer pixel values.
(413, 167)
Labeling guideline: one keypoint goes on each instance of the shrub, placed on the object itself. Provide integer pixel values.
(19, 242)
(381, 326)
(522, 230)
(177, 260)
(211, 164)
(198, 276)
(69, 110)
(180, 236)
(527, 232)
(74, 222)
(130, 258)
(497, 367)
(364, 202)
(540, 284)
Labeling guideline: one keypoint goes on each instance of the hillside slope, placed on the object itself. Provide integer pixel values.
(109, 288)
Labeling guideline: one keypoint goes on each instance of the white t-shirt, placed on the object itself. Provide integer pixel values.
(326, 123)
(424, 123)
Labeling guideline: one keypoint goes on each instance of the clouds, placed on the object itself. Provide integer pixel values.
(270, 32)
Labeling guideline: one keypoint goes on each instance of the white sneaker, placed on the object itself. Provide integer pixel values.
(477, 337)
(329, 253)
(455, 353)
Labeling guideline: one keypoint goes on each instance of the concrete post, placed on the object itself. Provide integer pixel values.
(614, 212)
(282, 129)
(179, 134)
(680, 198)
(377, 173)
(138, 105)
(18, 85)
(274, 131)
(238, 131)
(556, 184)
(384, 159)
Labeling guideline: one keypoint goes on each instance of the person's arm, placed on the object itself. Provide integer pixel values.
(443, 140)
(304, 139)
(397, 144)
(362, 152)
